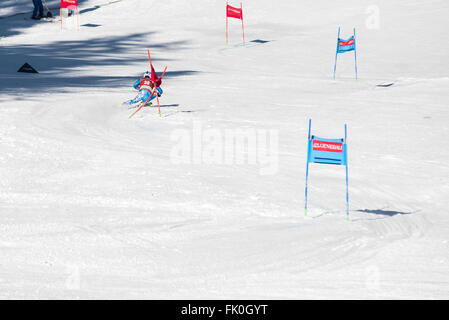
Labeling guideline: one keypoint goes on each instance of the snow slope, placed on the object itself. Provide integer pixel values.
(96, 205)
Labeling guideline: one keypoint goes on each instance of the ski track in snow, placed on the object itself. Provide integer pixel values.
(92, 205)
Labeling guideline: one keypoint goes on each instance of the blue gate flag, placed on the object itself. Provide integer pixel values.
(327, 151)
(346, 46)
(330, 151)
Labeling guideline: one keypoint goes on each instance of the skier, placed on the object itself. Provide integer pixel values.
(145, 86)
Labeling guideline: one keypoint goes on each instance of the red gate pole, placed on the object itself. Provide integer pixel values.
(77, 19)
(226, 22)
(157, 97)
(149, 57)
(243, 30)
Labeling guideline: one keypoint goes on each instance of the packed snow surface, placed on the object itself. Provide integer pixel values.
(96, 205)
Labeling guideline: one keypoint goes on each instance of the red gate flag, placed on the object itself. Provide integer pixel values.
(72, 5)
(69, 3)
(156, 80)
(237, 13)
(232, 12)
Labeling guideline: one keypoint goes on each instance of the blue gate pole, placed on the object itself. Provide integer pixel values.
(307, 169)
(336, 51)
(347, 187)
(355, 56)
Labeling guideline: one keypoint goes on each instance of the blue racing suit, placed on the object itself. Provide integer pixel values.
(143, 94)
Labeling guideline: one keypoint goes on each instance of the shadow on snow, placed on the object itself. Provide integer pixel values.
(389, 213)
(58, 61)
